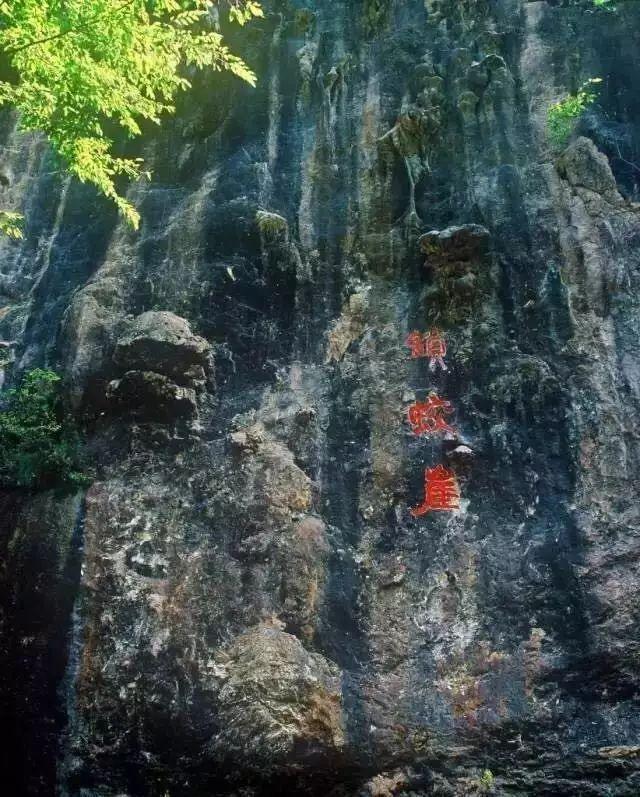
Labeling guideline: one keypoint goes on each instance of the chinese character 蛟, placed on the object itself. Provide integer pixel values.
(425, 417)
(441, 491)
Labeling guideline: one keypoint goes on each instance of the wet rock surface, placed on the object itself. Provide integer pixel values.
(242, 602)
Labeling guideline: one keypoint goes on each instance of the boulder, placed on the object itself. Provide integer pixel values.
(277, 702)
(584, 166)
(163, 342)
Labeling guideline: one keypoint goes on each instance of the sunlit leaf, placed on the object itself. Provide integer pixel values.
(84, 65)
(11, 224)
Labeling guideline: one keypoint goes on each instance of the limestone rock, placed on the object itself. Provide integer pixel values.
(500, 636)
(272, 226)
(387, 784)
(278, 701)
(93, 321)
(148, 559)
(584, 166)
(348, 328)
(248, 440)
(304, 551)
(163, 342)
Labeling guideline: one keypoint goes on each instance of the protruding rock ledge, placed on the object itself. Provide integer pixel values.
(455, 244)
(163, 363)
(152, 395)
(163, 342)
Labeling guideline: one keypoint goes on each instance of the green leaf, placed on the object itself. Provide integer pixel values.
(38, 444)
(83, 66)
(11, 224)
(562, 116)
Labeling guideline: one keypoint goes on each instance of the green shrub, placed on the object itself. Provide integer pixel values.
(486, 781)
(39, 446)
(376, 15)
(562, 117)
(271, 225)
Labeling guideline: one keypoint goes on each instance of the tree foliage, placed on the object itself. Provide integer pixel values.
(11, 224)
(81, 69)
(563, 115)
(38, 445)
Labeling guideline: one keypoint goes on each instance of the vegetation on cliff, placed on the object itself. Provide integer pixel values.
(563, 115)
(11, 223)
(39, 446)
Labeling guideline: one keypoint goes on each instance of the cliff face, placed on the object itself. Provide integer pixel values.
(242, 602)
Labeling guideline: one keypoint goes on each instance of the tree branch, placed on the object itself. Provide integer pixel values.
(66, 32)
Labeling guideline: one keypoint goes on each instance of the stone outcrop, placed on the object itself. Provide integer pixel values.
(455, 244)
(152, 395)
(163, 342)
(277, 702)
(163, 364)
(583, 166)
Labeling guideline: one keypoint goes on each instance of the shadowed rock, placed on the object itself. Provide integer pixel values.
(163, 342)
(152, 396)
(455, 244)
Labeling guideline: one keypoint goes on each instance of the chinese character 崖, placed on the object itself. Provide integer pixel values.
(425, 417)
(441, 491)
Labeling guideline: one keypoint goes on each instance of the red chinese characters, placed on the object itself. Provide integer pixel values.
(441, 491)
(430, 345)
(426, 417)
(415, 341)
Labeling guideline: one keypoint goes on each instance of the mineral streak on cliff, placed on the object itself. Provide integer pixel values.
(257, 611)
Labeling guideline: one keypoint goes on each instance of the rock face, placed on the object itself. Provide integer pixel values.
(242, 602)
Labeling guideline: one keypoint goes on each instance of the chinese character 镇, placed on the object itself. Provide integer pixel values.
(441, 491)
(425, 417)
(415, 341)
(432, 346)
(435, 349)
